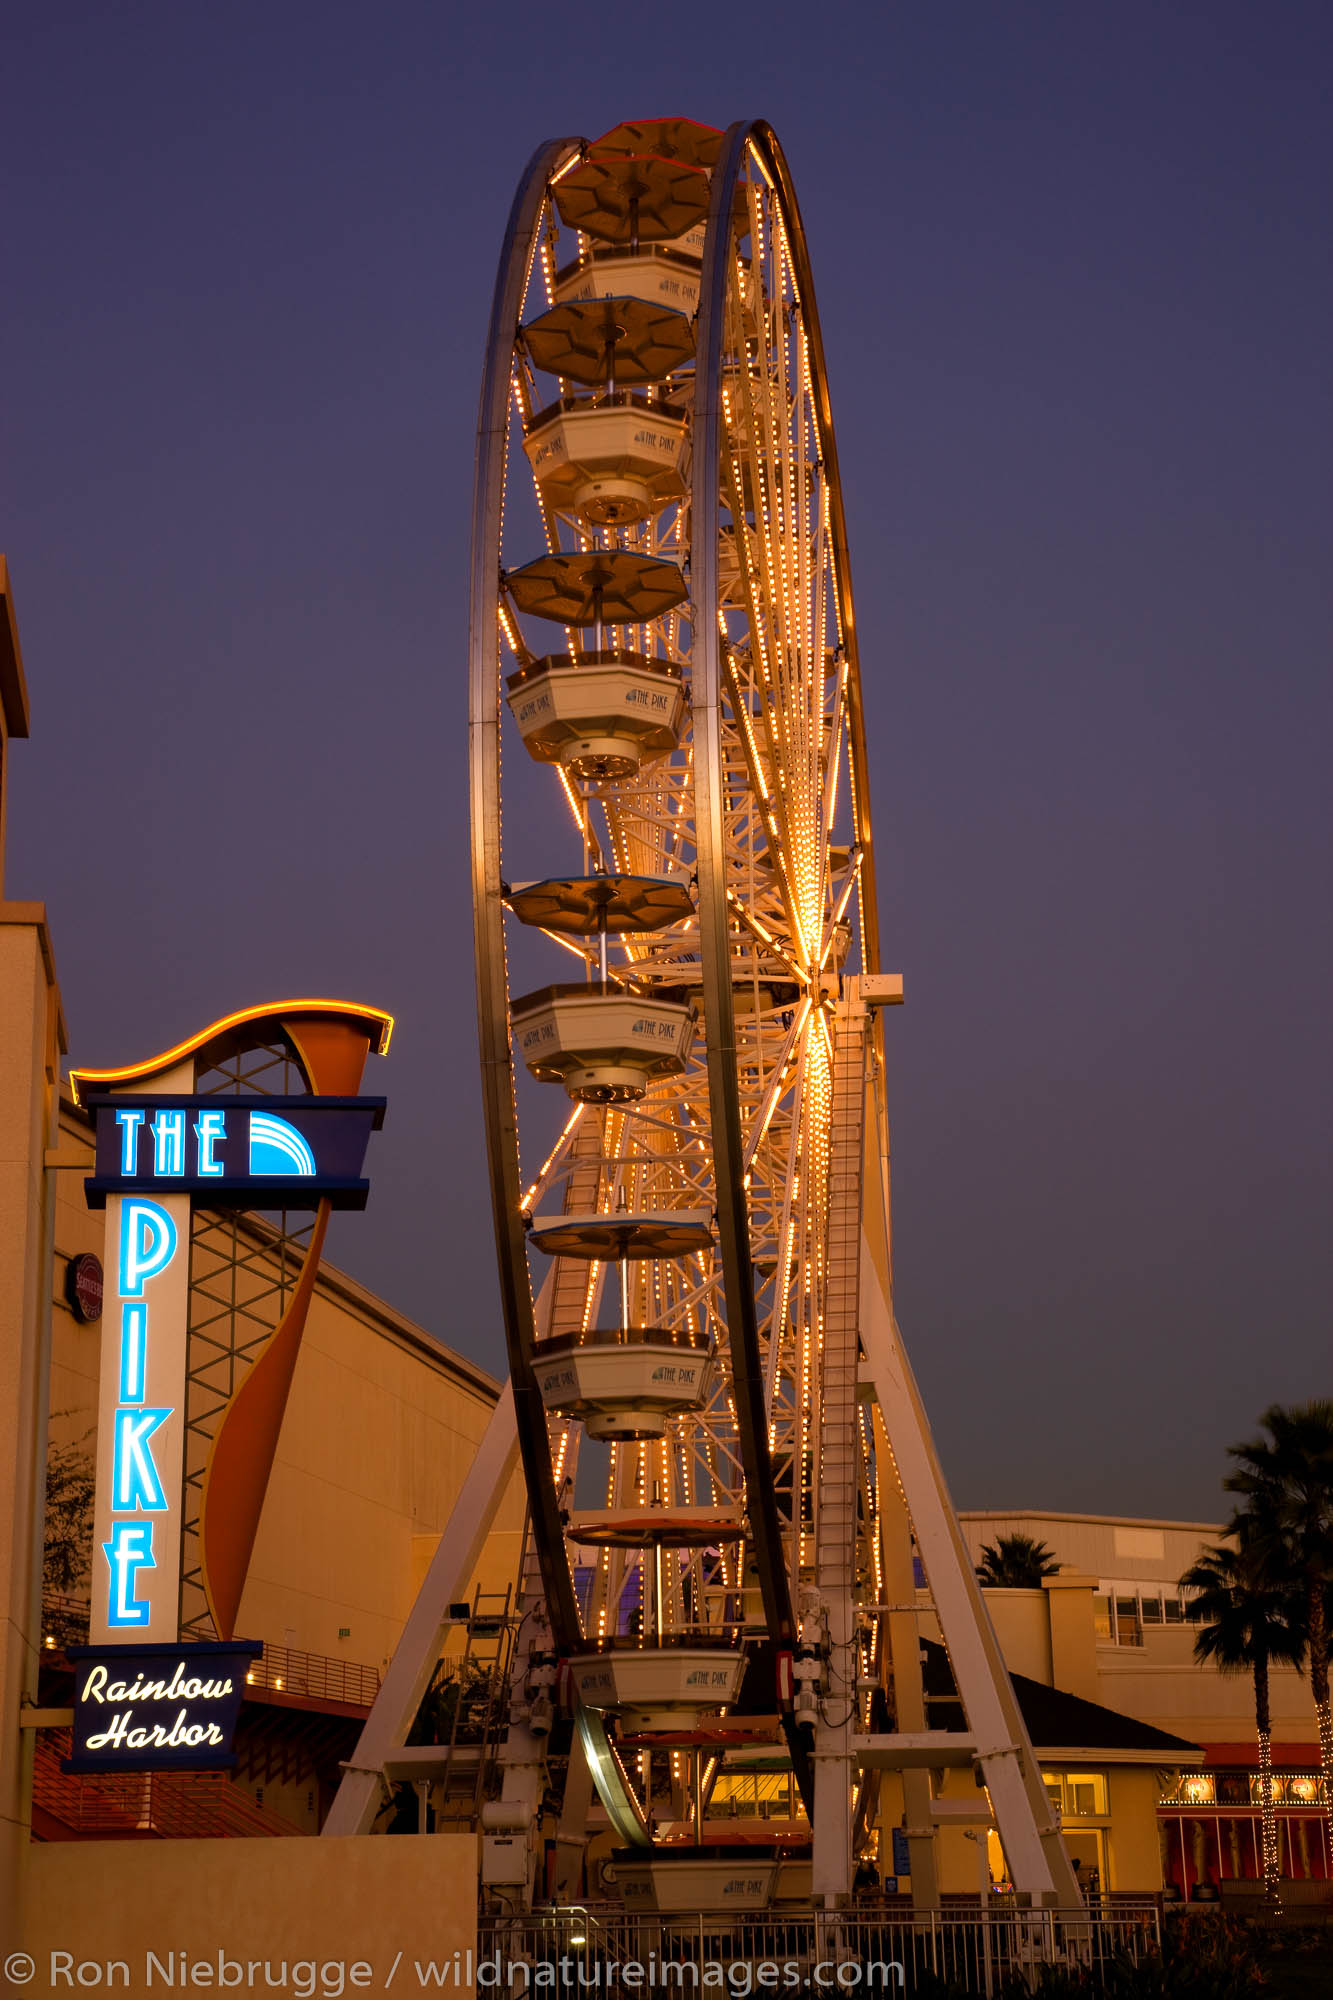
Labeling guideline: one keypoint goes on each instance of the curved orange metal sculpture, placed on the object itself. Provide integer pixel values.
(300, 1021)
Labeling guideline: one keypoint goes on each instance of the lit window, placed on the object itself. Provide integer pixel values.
(1078, 1794)
(1128, 1631)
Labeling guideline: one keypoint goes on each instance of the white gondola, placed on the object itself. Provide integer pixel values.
(623, 1384)
(658, 1687)
(603, 716)
(611, 460)
(605, 1048)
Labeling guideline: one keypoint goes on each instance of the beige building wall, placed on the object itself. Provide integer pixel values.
(1023, 1630)
(1101, 1545)
(388, 1908)
(31, 1041)
(1157, 1680)
(1161, 1683)
(1134, 1851)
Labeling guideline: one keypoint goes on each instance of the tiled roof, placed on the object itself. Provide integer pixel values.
(1052, 1716)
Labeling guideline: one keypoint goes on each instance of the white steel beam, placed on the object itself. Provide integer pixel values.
(1038, 1862)
(418, 1651)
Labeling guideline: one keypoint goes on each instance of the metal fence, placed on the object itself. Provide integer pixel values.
(166, 1805)
(316, 1676)
(867, 1949)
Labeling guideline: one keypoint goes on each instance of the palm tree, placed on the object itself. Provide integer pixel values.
(1286, 1480)
(1015, 1562)
(1245, 1626)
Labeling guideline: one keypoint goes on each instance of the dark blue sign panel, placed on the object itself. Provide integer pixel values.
(160, 1707)
(235, 1152)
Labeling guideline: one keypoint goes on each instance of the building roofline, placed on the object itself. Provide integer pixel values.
(34, 915)
(1093, 1520)
(1082, 1754)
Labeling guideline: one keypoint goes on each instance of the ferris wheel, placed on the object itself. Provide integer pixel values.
(728, 1471)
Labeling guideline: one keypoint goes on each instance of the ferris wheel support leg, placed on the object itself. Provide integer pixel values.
(418, 1651)
(904, 1642)
(1038, 1861)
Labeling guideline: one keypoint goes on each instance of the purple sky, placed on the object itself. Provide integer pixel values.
(1073, 270)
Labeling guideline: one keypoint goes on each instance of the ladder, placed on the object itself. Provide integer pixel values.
(837, 1481)
(482, 1682)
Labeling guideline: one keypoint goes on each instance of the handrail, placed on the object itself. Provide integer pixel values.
(167, 1805)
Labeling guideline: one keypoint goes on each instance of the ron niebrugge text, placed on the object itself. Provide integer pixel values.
(573, 1972)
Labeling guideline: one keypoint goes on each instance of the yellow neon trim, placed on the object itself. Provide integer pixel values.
(132, 1072)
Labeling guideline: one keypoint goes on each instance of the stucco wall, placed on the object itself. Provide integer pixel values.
(331, 1903)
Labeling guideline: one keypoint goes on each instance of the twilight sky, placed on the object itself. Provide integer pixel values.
(1073, 270)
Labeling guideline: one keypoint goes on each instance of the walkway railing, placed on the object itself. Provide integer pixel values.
(284, 1669)
(316, 1676)
(163, 1805)
(867, 1949)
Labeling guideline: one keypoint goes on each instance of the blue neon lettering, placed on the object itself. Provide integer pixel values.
(209, 1127)
(129, 1550)
(135, 1485)
(169, 1143)
(129, 1123)
(278, 1148)
(133, 1350)
(147, 1245)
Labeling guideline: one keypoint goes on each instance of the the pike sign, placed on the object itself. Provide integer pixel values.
(155, 1154)
(141, 1419)
(270, 1152)
(143, 1697)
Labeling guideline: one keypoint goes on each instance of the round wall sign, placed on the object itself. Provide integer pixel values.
(83, 1286)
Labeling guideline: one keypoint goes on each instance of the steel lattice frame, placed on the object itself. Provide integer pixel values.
(764, 807)
(243, 1270)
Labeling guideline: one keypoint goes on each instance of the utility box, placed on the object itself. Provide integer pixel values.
(882, 989)
(504, 1860)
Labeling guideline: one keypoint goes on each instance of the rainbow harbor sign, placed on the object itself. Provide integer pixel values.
(152, 1708)
(200, 1127)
